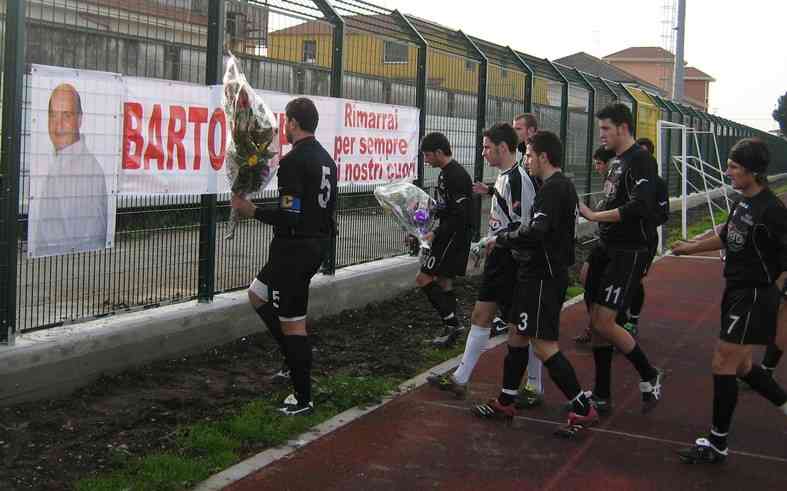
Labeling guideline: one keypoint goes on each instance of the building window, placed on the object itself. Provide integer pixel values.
(394, 52)
(310, 51)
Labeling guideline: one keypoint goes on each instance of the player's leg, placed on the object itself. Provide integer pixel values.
(260, 300)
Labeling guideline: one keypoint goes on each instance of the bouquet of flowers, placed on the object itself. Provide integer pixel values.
(254, 137)
(413, 209)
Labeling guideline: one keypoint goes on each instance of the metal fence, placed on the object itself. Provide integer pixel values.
(171, 249)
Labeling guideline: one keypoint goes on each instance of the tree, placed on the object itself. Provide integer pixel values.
(780, 113)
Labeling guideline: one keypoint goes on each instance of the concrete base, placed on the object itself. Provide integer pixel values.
(57, 361)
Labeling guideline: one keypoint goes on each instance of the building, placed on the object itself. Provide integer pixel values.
(657, 66)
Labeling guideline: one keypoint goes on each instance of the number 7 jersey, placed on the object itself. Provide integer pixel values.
(307, 191)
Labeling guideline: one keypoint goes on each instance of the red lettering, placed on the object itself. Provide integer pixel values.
(198, 116)
(177, 117)
(217, 118)
(402, 146)
(155, 150)
(132, 135)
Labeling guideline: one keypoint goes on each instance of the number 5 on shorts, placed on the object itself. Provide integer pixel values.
(734, 319)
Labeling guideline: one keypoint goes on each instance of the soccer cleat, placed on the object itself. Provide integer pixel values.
(494, 409)
(603, 405)
(499, 327)
(651, 391)
(292, 407)
(449, 336)
(282, 377)
(577, 422)
(529, 398)
(448, 383)
(702, 452)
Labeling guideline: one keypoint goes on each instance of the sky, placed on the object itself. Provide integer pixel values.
(737, 43)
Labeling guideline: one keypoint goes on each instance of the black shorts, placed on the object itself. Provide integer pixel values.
(537, 307)
(291, 265)
(447, 258)
(748, 315)
(499, 280)
(613, 275)
(652, 250)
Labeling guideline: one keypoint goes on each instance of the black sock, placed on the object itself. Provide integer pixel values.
(640, 361)
(514, 366)
(725, 398)
(637, 301)
(440, 301)
(602, 356)
(300, 362)
(772, 357)
(271, 319)
(562, 373)
(451, 295)
(761, 381)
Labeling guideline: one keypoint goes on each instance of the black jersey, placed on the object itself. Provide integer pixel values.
(307, 193)
(756, 238)
(544, 245)
(454, 200)
(631, 188)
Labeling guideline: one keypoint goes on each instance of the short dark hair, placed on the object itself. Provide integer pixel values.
(303, 111)
(647, 143)
(436, 141)
(530, 120)
(549, 143)
(619, 114)
(753, 154)
(603, 154)
(503, 133)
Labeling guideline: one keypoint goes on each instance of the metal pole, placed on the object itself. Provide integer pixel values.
(563, 108)
(634, 109)
(217, 16)
(530, 79)
(677, 88)
(420, 87)
(13, 95)
(684, 181)
(590, 139)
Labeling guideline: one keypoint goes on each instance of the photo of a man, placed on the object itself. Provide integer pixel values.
(68, 211)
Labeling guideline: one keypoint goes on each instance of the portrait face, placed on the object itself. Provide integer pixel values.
(65, 116)
(492, 153)
(610, 135)
(601, 167)
(432, 158)
(740, 177)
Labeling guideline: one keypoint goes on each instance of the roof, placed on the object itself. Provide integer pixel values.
(595, 66)
(649, 52)
(692, 73)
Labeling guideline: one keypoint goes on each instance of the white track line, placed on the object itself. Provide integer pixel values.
(613, 432)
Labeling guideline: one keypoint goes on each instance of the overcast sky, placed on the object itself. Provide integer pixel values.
(740, 44)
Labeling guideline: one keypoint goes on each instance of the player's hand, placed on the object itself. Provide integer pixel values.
(585, 211)
(682, 248)
(480, 188)
(244, 206)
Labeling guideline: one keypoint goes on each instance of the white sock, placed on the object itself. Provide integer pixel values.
(476, 344)
(534, 368)
(784, 408)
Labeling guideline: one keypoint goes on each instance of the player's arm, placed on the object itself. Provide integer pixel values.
(712, 243)
(288, 211)
(531, 235)
(454, 216)
(776, 222)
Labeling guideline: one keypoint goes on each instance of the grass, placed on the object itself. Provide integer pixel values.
(208, 447)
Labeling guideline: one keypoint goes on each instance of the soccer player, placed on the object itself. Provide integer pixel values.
(755, 237)
(525, 125)
(512, 197)
(544, 249)
(303, 220)
(647, 144)
(450, 242)
(601, 162)
(621, 258)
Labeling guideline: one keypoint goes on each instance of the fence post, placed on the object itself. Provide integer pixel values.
(337, 79)
(530, 76)
(591, 129)
(420, 87)
(214, 66)
(480, 124)
(13, 95)
(634, 109)
(563, 109)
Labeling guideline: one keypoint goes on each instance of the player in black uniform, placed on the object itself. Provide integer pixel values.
(755, 237)
(302, 221)
(447, 258)
(617, 265)
(544, 249)
(512, 197)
